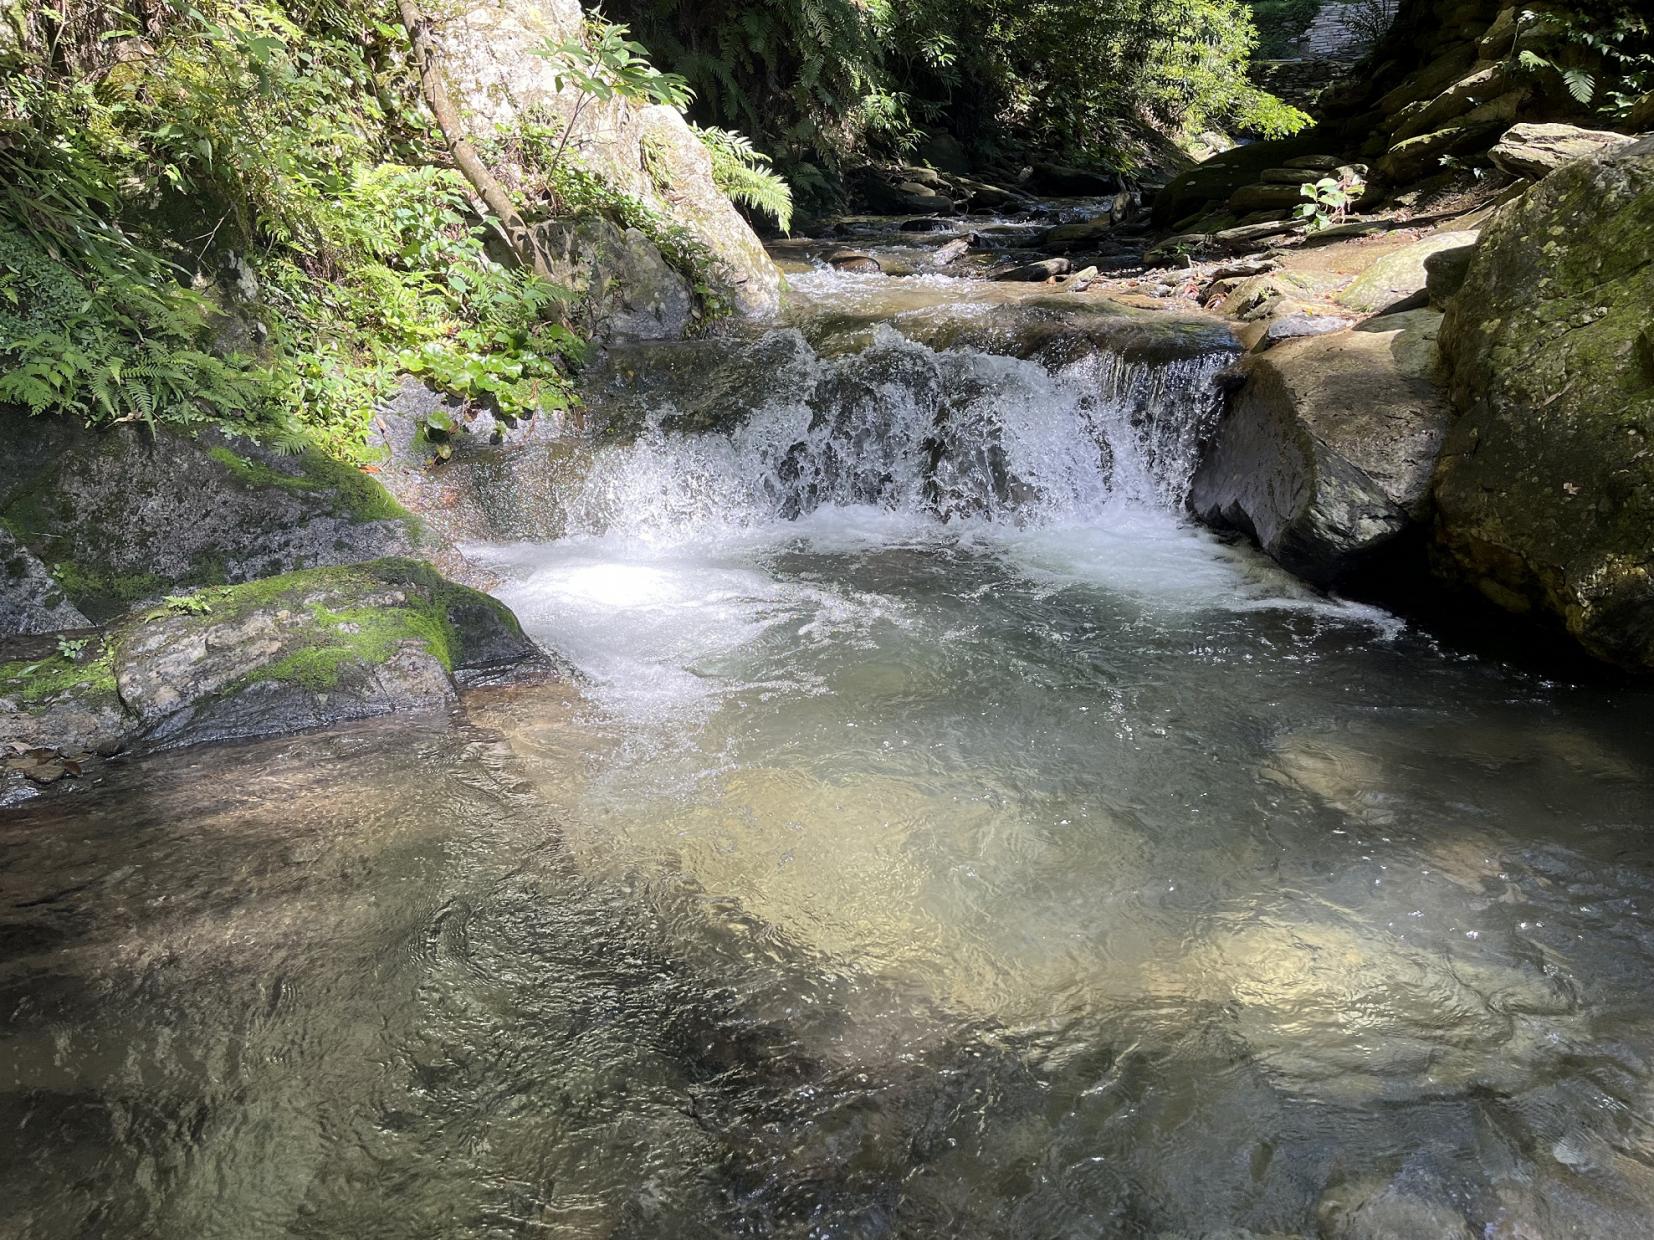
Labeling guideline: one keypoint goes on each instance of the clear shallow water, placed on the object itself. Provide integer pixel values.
(1047, 871)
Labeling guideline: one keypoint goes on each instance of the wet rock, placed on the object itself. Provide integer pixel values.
(278, 655)
(125, 514)
(500, 479)
(925, 225)
(1326, 452)
(30, 600)
(1400, 275)
(625, 286)
(1034, 273)
(854, 260)
(953, 251)
(1535, 151)
(1545, 494)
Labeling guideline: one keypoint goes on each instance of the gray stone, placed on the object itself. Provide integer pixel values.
(489, 55)
(854, 260)
(1295, 326)
(125, 514)
(625, 286)
(1087, 233)
(1445, 272)
(30, 600)
(1401, 274)
(1326, 452)
(1037, 272)
(1066, 181)
(1265, 197)
(1535, 151)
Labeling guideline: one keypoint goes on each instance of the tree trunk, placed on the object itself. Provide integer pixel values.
(465, 156)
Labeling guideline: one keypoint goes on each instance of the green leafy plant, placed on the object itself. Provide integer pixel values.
(743, 173)
(71, 648)
(1603, 56)
(187, 604)
(605, 64)
(1328, 200)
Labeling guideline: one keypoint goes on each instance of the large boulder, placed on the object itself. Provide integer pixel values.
(1401, 275)
(127, 514)
(1326, 452)
(1536, 151)
(1545, 492)
(279, 655)
(650, 153)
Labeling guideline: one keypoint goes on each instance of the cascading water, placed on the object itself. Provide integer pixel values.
(943, 838)
(953, 434)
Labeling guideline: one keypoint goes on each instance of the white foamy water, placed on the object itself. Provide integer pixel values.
(678, 586)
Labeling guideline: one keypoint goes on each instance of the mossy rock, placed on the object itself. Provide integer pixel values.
(127, 514)
(1545, 491)
(272, 656)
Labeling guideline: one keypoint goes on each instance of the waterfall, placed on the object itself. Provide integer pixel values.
(954, 434)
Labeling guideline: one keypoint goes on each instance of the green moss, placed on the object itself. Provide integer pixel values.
(96, 589)
(253, 474)
(39, 681)
(338, 639)
(355, 494)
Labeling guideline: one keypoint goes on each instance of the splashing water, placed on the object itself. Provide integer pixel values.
(953, 434)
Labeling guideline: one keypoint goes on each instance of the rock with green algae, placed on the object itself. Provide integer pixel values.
(124, 515)
(278, 655)
(1545, 489)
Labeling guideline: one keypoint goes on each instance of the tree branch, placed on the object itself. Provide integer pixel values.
(464, 154)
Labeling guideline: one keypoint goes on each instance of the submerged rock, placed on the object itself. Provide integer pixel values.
(283, 654)
(127, 514)
(1326, 453)
(1545, 493)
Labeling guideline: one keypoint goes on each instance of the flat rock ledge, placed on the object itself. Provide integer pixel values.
(279, 655)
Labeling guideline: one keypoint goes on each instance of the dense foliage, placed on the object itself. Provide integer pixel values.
(240, 210)
(819, 80)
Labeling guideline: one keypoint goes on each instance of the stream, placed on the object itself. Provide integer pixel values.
(942, 836)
